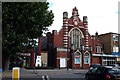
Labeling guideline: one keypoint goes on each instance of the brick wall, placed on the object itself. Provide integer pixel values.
(106, 41)
(96, 60)
(85, 66)
(58, 63)
(58, 39)
(90, 40)
(61, 54)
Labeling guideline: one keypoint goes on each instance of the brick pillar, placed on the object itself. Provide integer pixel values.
(85, 23)
(65, 29)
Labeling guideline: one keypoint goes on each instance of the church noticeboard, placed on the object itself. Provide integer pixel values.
(24, 54)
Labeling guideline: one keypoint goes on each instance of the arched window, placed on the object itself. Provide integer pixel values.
(75, 38)
(77, 58)
(77, 54)
(98, 49)
(86, 55)
(86, 58)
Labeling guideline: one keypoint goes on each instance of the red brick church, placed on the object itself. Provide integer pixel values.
(73, 46)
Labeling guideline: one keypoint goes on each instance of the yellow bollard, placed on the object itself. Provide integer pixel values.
(16, 73)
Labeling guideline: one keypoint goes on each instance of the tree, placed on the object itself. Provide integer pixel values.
(22, 22)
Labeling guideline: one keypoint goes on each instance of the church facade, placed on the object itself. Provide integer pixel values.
(73, 46)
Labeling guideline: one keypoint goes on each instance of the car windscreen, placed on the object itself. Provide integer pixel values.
(113, 70)
(93, 70)
(95, 65)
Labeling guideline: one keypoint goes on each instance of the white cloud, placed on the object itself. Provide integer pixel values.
(101, 14)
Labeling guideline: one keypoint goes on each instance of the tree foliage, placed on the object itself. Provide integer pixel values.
(22, 22)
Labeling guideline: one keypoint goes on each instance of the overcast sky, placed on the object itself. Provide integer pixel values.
(102, 14)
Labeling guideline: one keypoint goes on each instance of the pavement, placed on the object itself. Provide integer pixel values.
(27, 73)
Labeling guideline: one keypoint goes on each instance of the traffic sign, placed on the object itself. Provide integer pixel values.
(72, 53)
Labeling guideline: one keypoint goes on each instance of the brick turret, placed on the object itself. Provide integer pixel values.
(85, 23)
(65, 29)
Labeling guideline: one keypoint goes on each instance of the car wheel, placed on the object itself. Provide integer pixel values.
(86, 77)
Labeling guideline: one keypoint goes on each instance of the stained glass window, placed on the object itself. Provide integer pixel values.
(75, 38)
(77, 60)
(86, 58)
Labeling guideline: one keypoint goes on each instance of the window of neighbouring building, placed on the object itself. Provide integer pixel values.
(98, 49)
(75, 38)
(115, 37)
(91, 48)
(115, 48)
(108, 61)
(86, 58)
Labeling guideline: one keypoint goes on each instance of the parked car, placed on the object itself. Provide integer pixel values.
(94, 66)
(103, 73)
(115, 65)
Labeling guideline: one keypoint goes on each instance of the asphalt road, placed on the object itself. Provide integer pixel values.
(69, 76)
(51, 75)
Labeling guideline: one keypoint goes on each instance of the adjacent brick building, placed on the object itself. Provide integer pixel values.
(111, 44)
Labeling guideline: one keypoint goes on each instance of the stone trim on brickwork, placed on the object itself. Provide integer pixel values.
(77, 29)
(89, 57)
(61, 49)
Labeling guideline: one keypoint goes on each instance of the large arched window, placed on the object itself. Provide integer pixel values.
(75, 38)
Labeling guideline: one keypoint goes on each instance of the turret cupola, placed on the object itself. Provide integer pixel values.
(75, 12)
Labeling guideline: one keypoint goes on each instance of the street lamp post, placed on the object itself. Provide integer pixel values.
(72, 47)
(67, 54)
(91, 48)
(72, 59)
(67, 60)
(34, 71)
